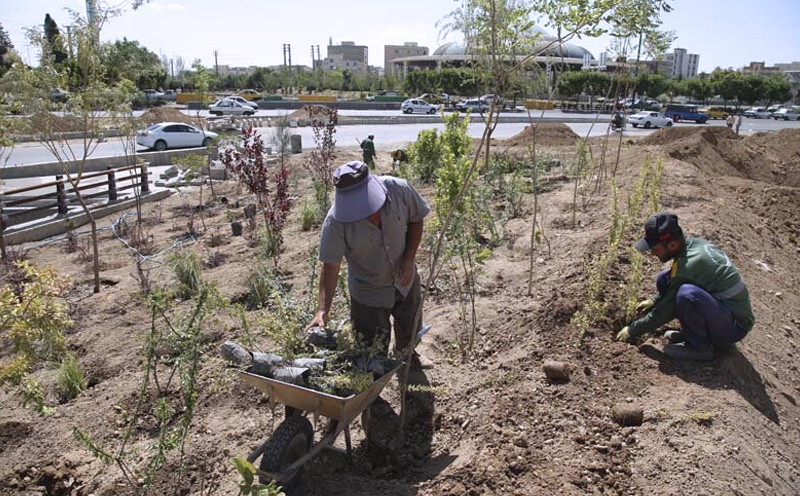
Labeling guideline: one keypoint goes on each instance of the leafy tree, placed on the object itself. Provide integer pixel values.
(777, 89)
(6, 49)
(129, 60)
(752, 90)
(650, 84)
(90, 98)
(699, 89)
(54, 41)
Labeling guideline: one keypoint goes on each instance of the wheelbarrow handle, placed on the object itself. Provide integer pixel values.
(423, 331)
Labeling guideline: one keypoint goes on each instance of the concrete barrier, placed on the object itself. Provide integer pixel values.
(54, 227)
(95, 164)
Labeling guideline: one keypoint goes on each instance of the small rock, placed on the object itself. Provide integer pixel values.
(601, 448)
(627, 415)
(556, 371)
(521, 442)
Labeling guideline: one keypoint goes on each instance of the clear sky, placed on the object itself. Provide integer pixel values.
(726, 33)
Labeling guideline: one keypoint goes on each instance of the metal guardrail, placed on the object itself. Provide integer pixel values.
(58, 192)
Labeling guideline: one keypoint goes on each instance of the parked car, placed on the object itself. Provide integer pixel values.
(757, 113)
(416, 105)
(242, 100)
(773, 108)
(644, 104)
(679, 112)
(58, 95)
(165, 135)
(489, 98)
(433, 98)
(716, 112)
(649, 119)
(786, 114)
(474, 105)
(230, 107)
(249, 94)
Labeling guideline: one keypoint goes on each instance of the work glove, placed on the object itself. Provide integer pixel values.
(624, 335)
(645, 306)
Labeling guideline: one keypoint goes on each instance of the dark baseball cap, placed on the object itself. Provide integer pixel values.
(659, 229)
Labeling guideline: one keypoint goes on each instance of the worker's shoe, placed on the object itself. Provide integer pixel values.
(420, 362)
(675, 336)
(683, 351)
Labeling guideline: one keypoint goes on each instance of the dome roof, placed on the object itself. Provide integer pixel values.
(568, 50)
(451, 48)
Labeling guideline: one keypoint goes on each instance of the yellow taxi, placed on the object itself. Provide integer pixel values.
(716, 112)
(249, 95)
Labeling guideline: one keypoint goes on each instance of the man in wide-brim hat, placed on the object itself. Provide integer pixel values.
(376, 224)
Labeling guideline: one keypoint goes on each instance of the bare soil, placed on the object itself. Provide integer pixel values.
(495, 424)
(547, 134)
(165, 114)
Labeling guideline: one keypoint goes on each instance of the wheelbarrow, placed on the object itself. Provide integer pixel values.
(292, 444)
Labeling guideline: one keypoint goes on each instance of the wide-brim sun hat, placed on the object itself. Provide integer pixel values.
(358, 194)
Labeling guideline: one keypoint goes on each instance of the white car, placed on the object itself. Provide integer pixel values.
(786, 114)
(237, 98)
(649, 119)
(165, 135)
(757, 113)
(416, 105)
(230, 107)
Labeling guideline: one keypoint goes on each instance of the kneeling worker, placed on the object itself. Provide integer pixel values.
(702, 289)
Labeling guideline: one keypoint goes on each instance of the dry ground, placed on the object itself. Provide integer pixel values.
(493, 425)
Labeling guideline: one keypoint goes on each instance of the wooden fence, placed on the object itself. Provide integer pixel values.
(54, 197)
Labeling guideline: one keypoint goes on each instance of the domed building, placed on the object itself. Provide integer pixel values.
(451, 54)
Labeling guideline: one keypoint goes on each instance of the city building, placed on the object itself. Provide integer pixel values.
(763, 69)
(407, 49)
(549, 53)
(347, 55)
(684, 65)
(225, 70)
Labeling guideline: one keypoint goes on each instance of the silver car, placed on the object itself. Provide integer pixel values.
(165, 135)
(230, 107)
(416, 105)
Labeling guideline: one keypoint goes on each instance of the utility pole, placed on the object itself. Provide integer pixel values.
(172, 67)
(216, 64)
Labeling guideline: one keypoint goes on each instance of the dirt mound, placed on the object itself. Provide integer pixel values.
(43, 122)
(164, 114)
(669, 135)
(552, 134)
(716, 150)
(782, 149)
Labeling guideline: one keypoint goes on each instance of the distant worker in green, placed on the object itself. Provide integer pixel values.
(368, 149)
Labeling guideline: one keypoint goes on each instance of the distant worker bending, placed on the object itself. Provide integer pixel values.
(702, 289)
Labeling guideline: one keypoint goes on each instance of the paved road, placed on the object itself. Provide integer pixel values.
(390, 136)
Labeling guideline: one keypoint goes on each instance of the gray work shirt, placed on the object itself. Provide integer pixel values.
(374, 253)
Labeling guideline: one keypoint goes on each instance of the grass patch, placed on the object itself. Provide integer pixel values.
(70, 381)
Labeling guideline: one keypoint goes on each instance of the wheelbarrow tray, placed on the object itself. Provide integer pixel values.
(324, 404)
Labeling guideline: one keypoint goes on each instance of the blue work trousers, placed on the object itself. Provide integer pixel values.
(705, 321)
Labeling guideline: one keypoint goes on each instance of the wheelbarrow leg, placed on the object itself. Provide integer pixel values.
(348, 444)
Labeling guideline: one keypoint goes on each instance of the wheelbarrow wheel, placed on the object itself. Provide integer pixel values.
(290, 441)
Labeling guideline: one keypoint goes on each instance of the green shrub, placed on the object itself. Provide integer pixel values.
(308, 216)
(187, 272)
(426, 154)
(268, 245)
(70, 381)
(261, 284)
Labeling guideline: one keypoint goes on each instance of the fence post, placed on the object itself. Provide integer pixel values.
(112, 185)
(145, 181)
(62, 196)
(2, 224)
